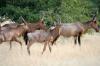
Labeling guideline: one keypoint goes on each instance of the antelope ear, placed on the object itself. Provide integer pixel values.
(55, 23)
(42, 22)
(95, 22)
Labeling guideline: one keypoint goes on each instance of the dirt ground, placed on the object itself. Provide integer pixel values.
(64, 53)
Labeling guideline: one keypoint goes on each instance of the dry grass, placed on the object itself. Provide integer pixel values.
(64, 53)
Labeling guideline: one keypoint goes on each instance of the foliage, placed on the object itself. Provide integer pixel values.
(51, 10)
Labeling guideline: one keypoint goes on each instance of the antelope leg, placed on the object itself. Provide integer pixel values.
(44, 47)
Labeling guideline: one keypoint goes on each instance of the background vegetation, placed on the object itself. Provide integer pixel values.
(52, 10)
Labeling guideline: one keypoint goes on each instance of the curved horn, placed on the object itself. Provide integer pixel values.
(0, 25)
(23, 20)
(94, 18)
(55, 23)
(42, 18)
(60, 20)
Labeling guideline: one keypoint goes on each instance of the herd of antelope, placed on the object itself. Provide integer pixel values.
(37, 32)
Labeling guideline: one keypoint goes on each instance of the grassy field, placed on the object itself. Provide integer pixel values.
(64, 53)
